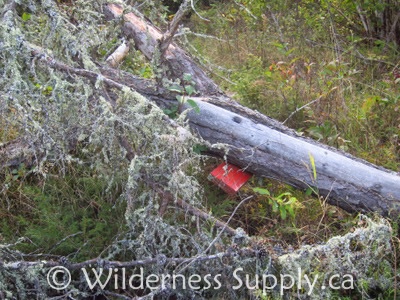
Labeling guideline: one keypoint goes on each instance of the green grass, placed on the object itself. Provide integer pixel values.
(77, 216)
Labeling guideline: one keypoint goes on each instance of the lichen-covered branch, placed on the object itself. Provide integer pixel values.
(354, 261)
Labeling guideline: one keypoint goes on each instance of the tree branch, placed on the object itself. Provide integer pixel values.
(160, 259)
(173, 27)
(118, 55)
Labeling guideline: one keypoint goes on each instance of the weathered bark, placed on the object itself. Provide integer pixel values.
(148, 39)
(352, 184)
(265, 147)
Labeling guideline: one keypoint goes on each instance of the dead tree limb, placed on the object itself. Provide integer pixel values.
(21, 265)
(267, 148)
(147, 39)
(173, 27)
(112, 79)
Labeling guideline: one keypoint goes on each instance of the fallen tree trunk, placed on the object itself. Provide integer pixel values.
(345, 181)
(251, 140)
(265, 147)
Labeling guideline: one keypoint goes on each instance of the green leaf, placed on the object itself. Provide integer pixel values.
(180, 99)
(176, 88)
(315, 132)
(47, 91)
(189, 89)
(289, 51)
(309, 191)
(194, 105)
(281, 196)
(278, 45)
(171, 112)
(275, 206)
(26, 16)
(187, 77)
(290, 201)
(283, 212)
(268, 74)
(291, 211)
(261, 191)
(368, 104)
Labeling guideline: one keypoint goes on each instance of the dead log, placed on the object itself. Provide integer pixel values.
(264, 146)
(347, 182)
(253, 141)
(148, 39)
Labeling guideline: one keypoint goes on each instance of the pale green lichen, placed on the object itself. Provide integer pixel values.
(363, 254)
(55, 109)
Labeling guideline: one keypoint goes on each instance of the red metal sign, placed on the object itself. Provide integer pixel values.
(229, 177)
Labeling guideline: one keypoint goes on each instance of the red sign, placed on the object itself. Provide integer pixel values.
(229, 177)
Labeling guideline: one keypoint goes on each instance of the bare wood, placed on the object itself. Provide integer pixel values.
(118, 55)
(147, 39)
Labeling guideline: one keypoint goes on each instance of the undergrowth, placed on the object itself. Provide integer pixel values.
(281, 58)
(305, 65)
(77, 216)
